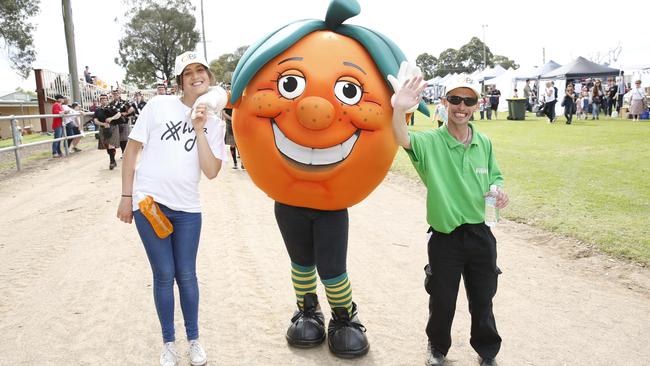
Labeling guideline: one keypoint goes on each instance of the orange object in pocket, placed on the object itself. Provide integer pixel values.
(159, 222)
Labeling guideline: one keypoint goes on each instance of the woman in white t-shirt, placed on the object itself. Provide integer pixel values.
(549, 102)
(175, 150)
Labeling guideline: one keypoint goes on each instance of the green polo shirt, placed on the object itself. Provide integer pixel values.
(456, 177)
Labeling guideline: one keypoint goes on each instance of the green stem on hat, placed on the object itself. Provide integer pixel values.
(341, 10)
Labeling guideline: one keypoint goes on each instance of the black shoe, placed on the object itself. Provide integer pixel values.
(112, 165)
(307, 327)
(346, 335)
(434, 357)
(76, 149)
(489, 362)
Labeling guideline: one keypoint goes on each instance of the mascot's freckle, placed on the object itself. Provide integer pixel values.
(312, 119)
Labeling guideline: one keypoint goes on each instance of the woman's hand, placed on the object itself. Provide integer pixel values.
(125, 210)
(200, 118)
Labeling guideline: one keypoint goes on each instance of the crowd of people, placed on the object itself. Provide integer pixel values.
(589, 97)
(112, 115)
(581, 99)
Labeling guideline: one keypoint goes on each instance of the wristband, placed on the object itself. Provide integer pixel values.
(126, 195)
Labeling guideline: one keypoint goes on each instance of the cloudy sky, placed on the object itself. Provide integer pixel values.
(520, 30)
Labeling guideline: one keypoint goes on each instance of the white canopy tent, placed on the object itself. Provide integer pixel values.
(505, 83)
(490, 73)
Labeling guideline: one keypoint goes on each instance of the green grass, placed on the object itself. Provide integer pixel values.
(26, 139)
(589, 180)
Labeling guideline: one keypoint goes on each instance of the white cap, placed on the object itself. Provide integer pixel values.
(188, 58)
(464, 81)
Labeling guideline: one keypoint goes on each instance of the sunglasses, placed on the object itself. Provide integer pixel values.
(456, 100)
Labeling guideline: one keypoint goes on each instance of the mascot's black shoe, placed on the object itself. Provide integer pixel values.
(308, 325)
(346, 335)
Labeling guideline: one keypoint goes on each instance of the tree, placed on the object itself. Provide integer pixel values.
(447, 62)
(16, 33)
(225, 65)
(471, 55)
(427, 63)
(156, 33)
(505, 62)
(469, 58)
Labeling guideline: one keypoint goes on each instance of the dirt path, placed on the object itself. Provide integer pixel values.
(76, 284)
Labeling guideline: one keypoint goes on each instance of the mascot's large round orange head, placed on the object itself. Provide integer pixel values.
(312, 112)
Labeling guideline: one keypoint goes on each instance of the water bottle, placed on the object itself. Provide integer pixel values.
(151, 211)
(491, 211)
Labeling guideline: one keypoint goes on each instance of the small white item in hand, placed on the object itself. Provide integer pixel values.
(407, 71)
(215, 101)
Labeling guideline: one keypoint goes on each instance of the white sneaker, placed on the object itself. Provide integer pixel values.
(169, 356)
(197, 354)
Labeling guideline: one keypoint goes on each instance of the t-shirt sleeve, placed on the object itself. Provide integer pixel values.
(57, 109)
(216, 140)
(416, 152)
(140, 130)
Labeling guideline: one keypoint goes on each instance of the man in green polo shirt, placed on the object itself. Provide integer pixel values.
(457, 165)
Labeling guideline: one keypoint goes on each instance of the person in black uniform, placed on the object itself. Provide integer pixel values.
(138, 104)
(126, 110)
(109, 135)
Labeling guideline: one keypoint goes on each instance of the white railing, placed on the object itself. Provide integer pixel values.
(17, 138)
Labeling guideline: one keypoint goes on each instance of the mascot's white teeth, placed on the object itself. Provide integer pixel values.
(312, 156)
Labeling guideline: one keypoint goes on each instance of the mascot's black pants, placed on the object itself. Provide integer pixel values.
(315, 237)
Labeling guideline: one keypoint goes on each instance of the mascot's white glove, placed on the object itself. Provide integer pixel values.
(215, 100)
(407, 71)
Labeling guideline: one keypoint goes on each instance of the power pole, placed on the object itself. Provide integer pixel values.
(72, 52)
(205, 49)
(543, 56)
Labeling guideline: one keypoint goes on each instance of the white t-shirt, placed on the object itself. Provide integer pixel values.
(169, 169)
(67, 119)
(638, 93)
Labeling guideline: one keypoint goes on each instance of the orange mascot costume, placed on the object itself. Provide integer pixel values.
(312, 119)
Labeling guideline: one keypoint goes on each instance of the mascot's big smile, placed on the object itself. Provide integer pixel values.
(313, 156)
(314, 122)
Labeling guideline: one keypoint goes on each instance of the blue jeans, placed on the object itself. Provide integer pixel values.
(174, 257)
(595, 109)
(56, 146)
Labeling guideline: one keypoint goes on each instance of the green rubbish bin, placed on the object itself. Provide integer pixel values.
(517, 109)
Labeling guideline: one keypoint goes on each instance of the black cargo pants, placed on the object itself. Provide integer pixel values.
(470, 251)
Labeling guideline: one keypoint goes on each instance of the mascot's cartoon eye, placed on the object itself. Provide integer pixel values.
(348, 92)
(291, 86)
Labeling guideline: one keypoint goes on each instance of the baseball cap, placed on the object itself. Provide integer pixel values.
(464, 82)
(188, 58)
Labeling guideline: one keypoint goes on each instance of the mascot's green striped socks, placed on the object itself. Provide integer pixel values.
(338, 289)
(339, 292)
(304, 281)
